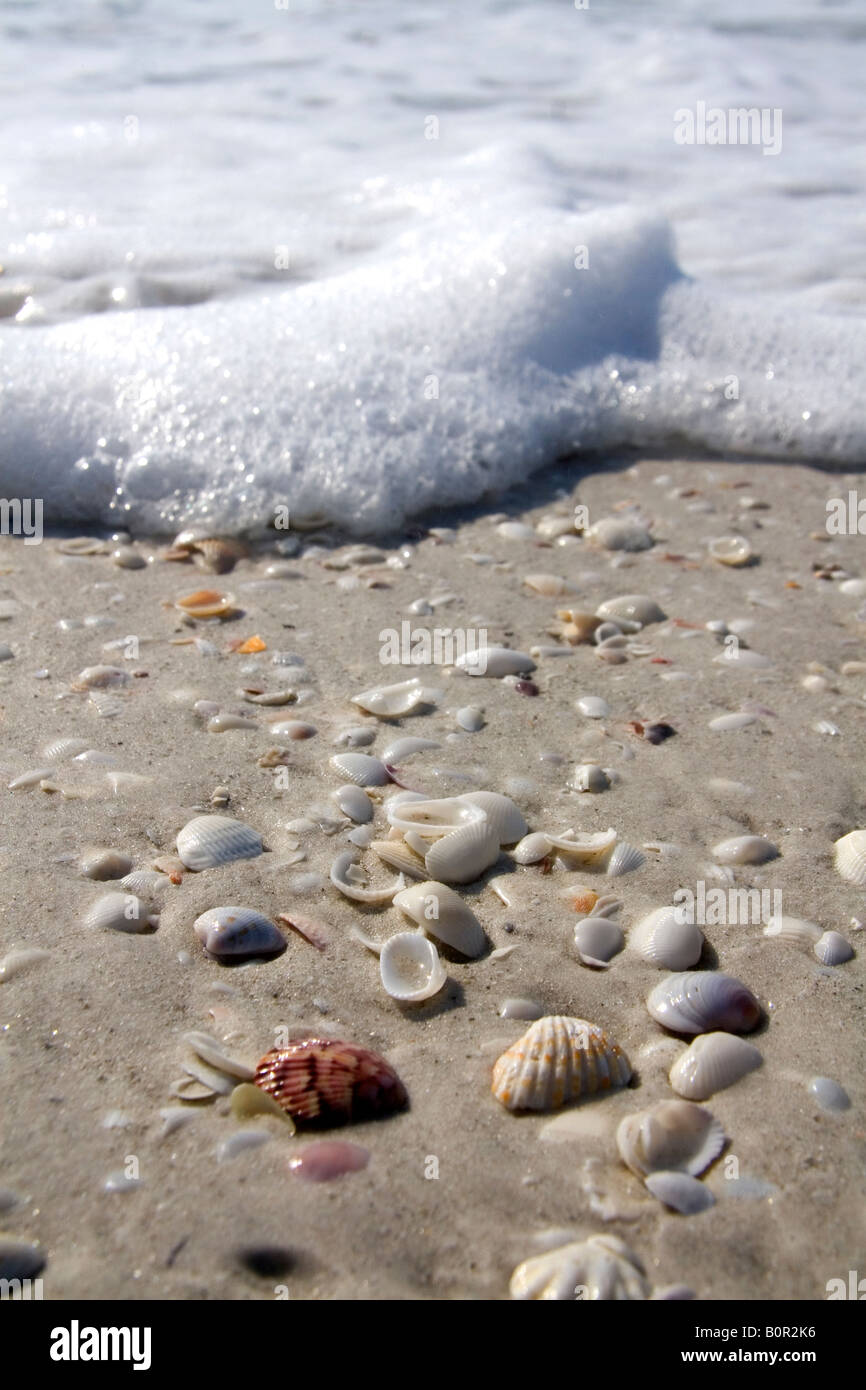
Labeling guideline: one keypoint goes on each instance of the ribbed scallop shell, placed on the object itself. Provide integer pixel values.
(361, 768)
(666, 942)
(704, 1002)
(324, 1082)
(833, 949)
(208, 841)
(400, 857)
(601, 1268)
(119, 912)
(464, 854)
(671, 1136)
(624, 859)
(504, 818)
(443, 914)
(850, 855)
(711, 1063)
(557, 1060)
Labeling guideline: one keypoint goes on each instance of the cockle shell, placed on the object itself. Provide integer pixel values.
(463, 854)
(833, 949)
(323, 1082)
(354, 802)
(731, 550)
(745, 849)
(120, 912)
(680, 1191)
(704, 1002)
(558, 1059)
(624, 859)
(665, 941)
(238, 931)
(711, 1063)
(400, 856)
(443, 914)
(208, 841)
(361, 768)
(393, 701)
(104, 863)
(410, 967)
(850, 856)
(671, 1136)
(597, 940)
(532, 848)
(633, 607)
(601, 1268)
(504, 818)
(495, 662)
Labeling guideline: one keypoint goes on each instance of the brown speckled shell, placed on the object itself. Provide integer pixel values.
(324, 1082)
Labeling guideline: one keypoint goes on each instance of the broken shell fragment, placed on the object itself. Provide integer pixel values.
(601, 1268)
(208, 841)
(704, 1002)
(850, 857)
(793, 930)
(589, 851)
(410, 968)
(236, 932)
(211, 1051)
(671, 1136)
(619, 533)
(393, 701)
(349, 878)
(444, 915)
(100, 678)
(558, 1059)
(324, 1082)
(731, 550)
(549, 585)
(711, 1063)
(400, 856)
(589, 777)
(248, 1100)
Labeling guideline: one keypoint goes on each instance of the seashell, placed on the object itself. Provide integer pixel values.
(829, 1094)
(727, 722)
(59, 748)
(208, 841)
(392, 701)
(515, 531)
(216, 1080)
(189, 1089)
(315, 932)
(127, 559)
(400, 856)
(635, 608)
(597, 940)
(239, 1142)
(495, 662)
(104, 863)
(323, 1082)
(348, 877)
(470, 718)
(463, 855)
(248, 1100)
(680, 1191)
(673, 1135)
(18, 959)
(833, 949)
(549, 585)
(665, 941)
(588, 850)
(624, 859)
(27, 780)
(526, 1009)
(578, 626)
(144, 882)
(731, 550)
(206, 603)
(238, 932)
(354, 802)
(429, 817)
(268, 697)
(743, 658)
(106, 706)
(209, 1050)
(100, 678)
(558, 1059)
(443, 914)
(601, 1268)
(328, 1159)
(361, 768)
(503, 817)
(296, 729)
(119, 912)
(221, 723)
(704, 1003)
(711, 1063)
(410, 967)
(552, 526)
(794, 930)
(589, 777)
(745, 849)
(619, 533)
(593, 706)
(82, 545)
(532, 848)
(850, 857)
(403, 748)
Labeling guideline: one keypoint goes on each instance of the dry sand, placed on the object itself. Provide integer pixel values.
(96, 1026)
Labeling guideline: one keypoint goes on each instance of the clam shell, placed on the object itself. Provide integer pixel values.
(833, 949)
(671, 1136)
(103, 863)
(829, 1094)
(597, 940)
(504, 818)
(325, 1082)
(680, 1191)
(704, 1002)
(637, 608)
(464, 854)
(238, 931)
(558, 1059)
(495, 662)
(711, 1063)
(665, 941)
(361, 768)
(850, 856)
(443, 914)
(532, 848)
(731, 550)
(745, 849)
(208, 841)
(206, 603)
(602, 1267)
(354, 802)
(624, 859)
(589, 777)
(410, 967)
(392, 701)
(619, 533)
(119, 912)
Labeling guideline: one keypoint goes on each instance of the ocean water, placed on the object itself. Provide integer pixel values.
(368, 260)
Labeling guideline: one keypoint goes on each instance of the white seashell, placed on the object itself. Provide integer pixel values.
(18, 959)
(794, 930)
(431, 818)
(470, 718)
(361, 769)
(144, 882)
(619, 533)
(268, 697)
(829, 1094)
(221, 723)
(597, 940)
(515, 531)
(731, 550)
(826, 726)
(833, 949)
(680, 1191)
(355, 738)
(549, 585)
(347, 877)
(727, 722)
(238, 931)
(601, 1268)
(624, 859)
(400, 856)
(633, 607)
(27, 780)
(593, 706)
(59, 748)
(100, 678)
(410, 967)
(532, 848)
(392, 701)
(439, 910)
(503, 817)
(743, 659)
(119, 912)
(208, 841)
(704, 1002)
(854, 587)
(587, 850)
(463, 855)
(745, 849)
(526, 1009)
(711, 1063)
(673, 1135)
(550, 527)
(665, 941)
(354, 802)
(558, 1059)
(103, 863)
(211, 1051)
(404, 748)
(589, 777)
(238, 1142)
(850, 857)
(495, 662)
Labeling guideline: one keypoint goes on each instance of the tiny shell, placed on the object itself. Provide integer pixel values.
(593, 706)
(296, 729)
(410, 967)
(558, 1059)
(619, 533)
(323, 1082)
(597, 940)
(601, 1268)
(211, 1051)
(624, 859)
(663, 940)
(745, 849)
(104, 863)
(494, 662)
(742, 658)
(119, 912)
(635, 607)
(731, 550)
(256, 696)
(850, 856)
(354, 802)
(589, 777)
(833, 949)
(100, 678)
(713, 1062)
(18, 959)
(728, 722)
(328, 1159)
(361, 768)
(526, 1009)
(221, 723)
(470, 718)
(672, 1135)
(393, 701)
(208, 841)
(680, 1191)
(238, 932)
(829, 1094)
(59, 748)
(443, 914)
(206, 603)
(549, 585)
(27, 780)
(704, 1002)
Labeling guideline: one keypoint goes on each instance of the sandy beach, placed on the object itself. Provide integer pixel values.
(92, 1031)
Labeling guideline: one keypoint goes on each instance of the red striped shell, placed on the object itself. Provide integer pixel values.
(323, 1082)
(558, 1059)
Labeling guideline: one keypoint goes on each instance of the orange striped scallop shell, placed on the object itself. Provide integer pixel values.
(557, 1060)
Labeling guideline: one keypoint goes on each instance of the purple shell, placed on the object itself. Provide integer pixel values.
(704, 1001)
(329, 1159)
